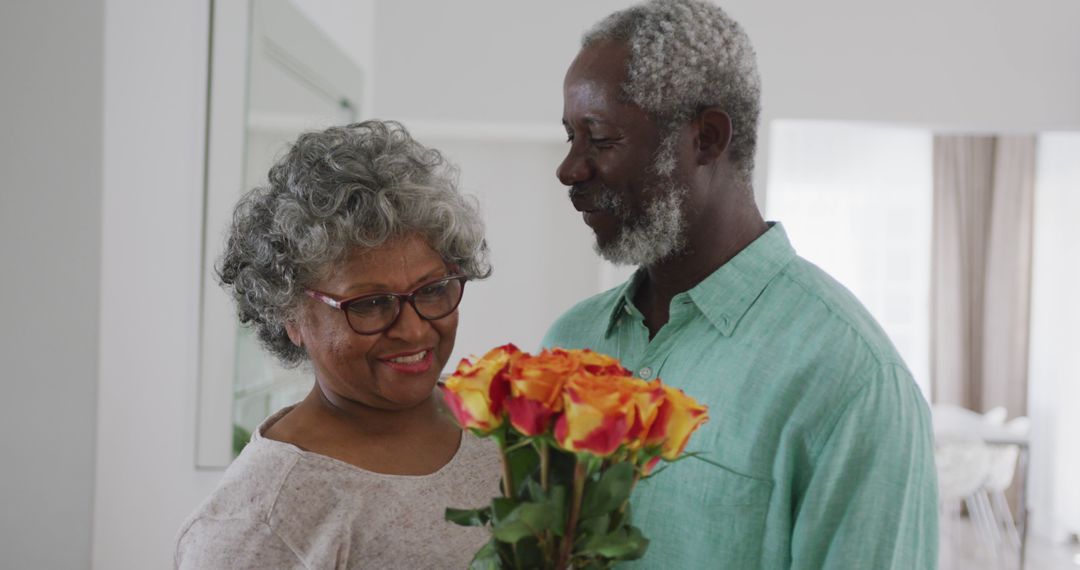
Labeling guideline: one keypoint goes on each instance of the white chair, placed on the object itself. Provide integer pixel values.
(963, 464)
(1003, 463)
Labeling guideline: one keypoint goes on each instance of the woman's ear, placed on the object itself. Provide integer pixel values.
(713, 134)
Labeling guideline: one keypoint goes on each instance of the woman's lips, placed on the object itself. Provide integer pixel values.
(410, 362)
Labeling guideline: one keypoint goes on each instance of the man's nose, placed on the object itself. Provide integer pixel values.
(574, 169)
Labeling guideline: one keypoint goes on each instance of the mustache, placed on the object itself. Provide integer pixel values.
(600, 196)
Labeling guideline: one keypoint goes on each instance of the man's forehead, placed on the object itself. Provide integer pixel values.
(603, 61)
(594, 82)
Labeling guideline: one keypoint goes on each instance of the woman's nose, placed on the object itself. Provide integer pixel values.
(408, 326)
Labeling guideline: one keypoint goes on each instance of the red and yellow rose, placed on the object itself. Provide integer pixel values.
(599, 413)
(677, 418)
(476, 392)
(536, 388)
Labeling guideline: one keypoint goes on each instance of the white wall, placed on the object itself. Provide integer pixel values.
(50, 227)
(1054, 369)
(155, 93)
(351, 25)
(1003, 65)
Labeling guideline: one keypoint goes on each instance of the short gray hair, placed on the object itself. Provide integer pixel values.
(686, 55)
(358, 185)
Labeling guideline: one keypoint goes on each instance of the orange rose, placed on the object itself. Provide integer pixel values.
(598, 413)
(541, 377)
(536, 388)
(679, 415)
(648, 399)
(476, 392)
(599, 364)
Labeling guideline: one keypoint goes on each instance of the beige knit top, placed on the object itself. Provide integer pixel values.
(281, 507)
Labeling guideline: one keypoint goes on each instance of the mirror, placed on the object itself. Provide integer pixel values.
(284, 76)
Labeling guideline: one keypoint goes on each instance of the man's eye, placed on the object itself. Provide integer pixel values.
(602, 142)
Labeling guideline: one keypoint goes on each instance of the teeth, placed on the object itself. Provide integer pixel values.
(410, 359)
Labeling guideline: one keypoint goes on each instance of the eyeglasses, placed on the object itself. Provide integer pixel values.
(373, 314)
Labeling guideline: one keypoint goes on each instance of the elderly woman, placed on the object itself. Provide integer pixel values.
(353, 260)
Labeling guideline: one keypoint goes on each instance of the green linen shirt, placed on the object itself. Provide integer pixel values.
(823, 441)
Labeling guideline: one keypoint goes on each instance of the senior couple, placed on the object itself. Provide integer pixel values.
(354, 259)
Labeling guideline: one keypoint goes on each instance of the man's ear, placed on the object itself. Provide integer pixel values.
(295, 335)
(713, 134)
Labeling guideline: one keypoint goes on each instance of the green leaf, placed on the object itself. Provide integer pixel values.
(623, 544)
(620, 517)
(524, 464)
(469, 517)
(526, 553)
(525, 519)
(533, 490)
(610, 492)
(487, 558)
(593, 463)
(556, 501)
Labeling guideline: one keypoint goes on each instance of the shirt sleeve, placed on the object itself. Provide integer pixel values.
(239, 544)
(870, 500)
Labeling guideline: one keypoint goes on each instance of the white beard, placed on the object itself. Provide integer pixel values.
(657, 235)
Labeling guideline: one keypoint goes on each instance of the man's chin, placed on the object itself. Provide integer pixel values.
(611, 253)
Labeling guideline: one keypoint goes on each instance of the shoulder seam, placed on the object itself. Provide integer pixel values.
(277, 492)
(879, 359)
(818, 443)
(273, 532)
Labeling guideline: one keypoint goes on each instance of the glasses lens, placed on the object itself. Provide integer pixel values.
(372, 314)
(438, 299)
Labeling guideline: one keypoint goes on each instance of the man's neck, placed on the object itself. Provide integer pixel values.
(708, 248)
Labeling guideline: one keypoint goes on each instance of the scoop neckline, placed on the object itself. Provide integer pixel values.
(258, 437)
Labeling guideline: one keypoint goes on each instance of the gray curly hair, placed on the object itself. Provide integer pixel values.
(345, 187)
(686, 55)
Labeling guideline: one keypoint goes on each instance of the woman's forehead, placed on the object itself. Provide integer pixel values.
(397, 263)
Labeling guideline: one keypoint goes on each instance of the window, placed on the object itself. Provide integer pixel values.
(856, 200)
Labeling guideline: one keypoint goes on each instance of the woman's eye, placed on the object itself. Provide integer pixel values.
(433, 290)
(371, 305)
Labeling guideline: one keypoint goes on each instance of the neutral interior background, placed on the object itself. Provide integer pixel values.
(103, 107)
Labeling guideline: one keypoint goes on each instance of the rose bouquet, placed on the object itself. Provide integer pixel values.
(577, 432)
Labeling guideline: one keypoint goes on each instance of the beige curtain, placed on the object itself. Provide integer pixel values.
(981, 273)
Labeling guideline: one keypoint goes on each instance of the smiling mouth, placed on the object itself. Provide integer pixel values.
(409, 358)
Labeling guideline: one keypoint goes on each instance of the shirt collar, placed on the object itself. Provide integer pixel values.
(726, 294)
(624, 301)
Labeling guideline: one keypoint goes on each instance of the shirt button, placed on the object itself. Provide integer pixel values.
(644, 373)
(626, 308)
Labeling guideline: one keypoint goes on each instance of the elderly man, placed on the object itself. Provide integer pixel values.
(820, 448)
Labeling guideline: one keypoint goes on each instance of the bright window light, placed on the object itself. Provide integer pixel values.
(856, 200)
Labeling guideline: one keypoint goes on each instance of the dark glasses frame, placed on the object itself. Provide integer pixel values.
(401, 298)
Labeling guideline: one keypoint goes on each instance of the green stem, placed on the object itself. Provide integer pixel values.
(508, 483)
(518, 445)
(547, 544)
(545, 462)
(622, 507)
(575, 510)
